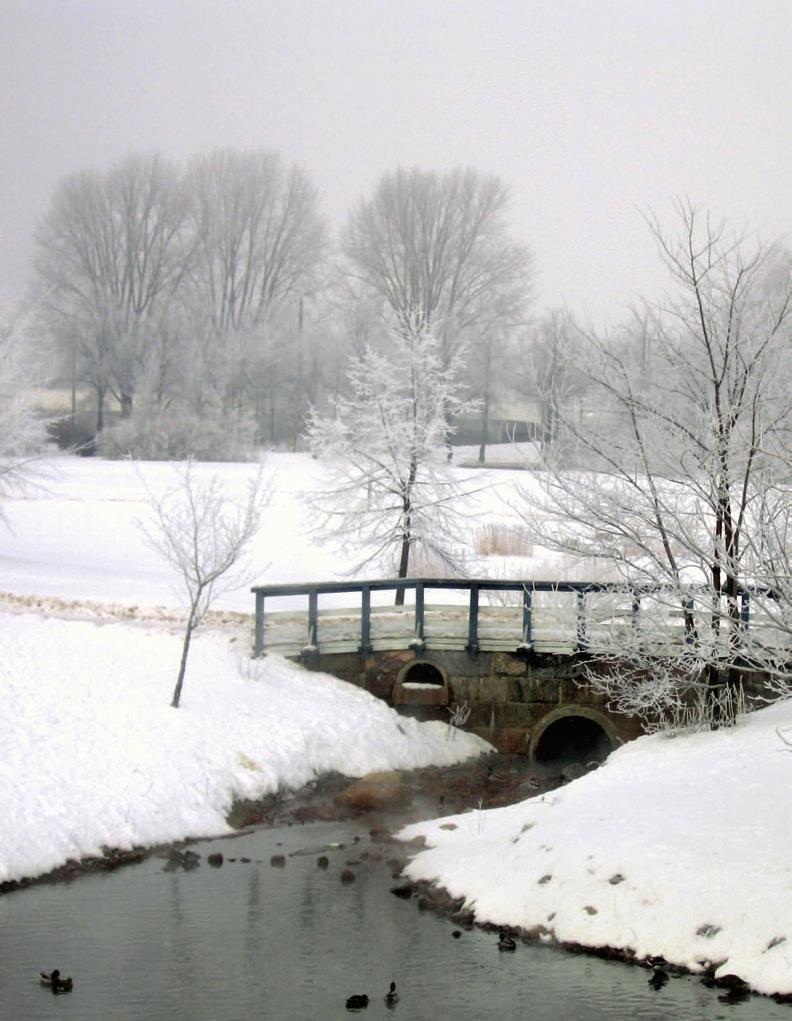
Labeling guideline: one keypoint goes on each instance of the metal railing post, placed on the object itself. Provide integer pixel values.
(419, 642)
(365, 621)
(689, 628)
(580, 630)
(472, 645)
(313, 621)
(527, 619)
(258, 636)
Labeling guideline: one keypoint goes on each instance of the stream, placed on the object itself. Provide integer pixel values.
(251, 939)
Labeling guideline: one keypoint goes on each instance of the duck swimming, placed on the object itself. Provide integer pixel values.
(392, 996)
(506, 942)
(357, 1002)
(659, 976)
(55, 982)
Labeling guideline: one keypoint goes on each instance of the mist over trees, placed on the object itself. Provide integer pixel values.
(209, 312)
(180, 293)
(435, 252)
(206, 311)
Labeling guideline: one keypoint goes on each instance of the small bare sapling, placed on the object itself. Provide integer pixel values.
(202, 532)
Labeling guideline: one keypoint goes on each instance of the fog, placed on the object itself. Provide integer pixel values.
(588, 112)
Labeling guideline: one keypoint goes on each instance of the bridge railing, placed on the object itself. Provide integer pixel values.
(517, 615)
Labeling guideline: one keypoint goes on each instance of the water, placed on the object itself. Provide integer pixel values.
(249, 940)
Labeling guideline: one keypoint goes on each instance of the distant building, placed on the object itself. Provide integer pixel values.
(511, 419)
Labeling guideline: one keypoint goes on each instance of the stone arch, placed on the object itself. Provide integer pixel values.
(421, 682)
(422, 671)
(572, 732)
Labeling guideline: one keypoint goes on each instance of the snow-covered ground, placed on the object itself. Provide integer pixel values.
(93, 755)
(676, 847)
(74, 534)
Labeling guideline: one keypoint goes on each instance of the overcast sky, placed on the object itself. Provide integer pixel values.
(590, 110)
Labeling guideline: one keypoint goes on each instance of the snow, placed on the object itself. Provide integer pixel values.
(698, 827)
(93, 754)
(90, 639)
(676, 847)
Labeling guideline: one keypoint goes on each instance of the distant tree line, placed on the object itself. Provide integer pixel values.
(207, 307)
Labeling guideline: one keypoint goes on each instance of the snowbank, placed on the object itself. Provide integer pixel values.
(92, 753)
(677, 847)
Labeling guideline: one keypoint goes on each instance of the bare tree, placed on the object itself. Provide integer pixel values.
(202, 533)
(673, 449)
(110, 255)
(258, 234)
(435, 248)
(392, 490)
(259, 241)
(551, 357)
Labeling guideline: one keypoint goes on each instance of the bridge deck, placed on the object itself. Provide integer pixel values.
(545, 618)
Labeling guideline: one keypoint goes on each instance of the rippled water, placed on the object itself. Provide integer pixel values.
(249, 940)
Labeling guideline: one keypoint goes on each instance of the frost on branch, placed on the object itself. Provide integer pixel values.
(202, 534)
(668, 473)
(392, 492)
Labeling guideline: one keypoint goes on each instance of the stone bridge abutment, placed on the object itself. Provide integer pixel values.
(521, 703)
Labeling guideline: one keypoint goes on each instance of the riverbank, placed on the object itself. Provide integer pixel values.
(383, 803)
(95, 757)
(675, 849)
(467, 790)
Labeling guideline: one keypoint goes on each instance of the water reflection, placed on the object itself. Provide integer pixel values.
(251, 941)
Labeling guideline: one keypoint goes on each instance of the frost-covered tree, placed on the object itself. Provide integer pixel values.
(434, 250)
(22, 430)
(259, 239)
(435, 247)
(391, 490)
(550, 360)
(683, 417)
(110, 256)
(202, 533)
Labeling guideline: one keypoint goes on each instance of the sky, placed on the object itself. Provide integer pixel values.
(591, 111)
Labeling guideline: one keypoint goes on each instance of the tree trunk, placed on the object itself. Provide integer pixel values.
(99, 411)
(183, 665)
(484, 429)
(126, 405)
(404, 563)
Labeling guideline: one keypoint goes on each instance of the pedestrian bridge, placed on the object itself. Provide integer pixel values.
(512, 652)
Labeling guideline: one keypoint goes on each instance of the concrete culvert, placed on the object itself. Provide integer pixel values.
(423, 673)
(572, 739)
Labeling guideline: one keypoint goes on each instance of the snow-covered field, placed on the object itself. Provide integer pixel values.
(676, 847)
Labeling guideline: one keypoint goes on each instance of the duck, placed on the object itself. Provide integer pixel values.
(392, 996)
(357, 1001)
(506, 942)
(55, 982)
(659, 976)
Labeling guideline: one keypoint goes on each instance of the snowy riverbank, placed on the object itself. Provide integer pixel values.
(677, 847)
(94, 756)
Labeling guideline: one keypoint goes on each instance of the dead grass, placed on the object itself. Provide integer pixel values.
(498, 540)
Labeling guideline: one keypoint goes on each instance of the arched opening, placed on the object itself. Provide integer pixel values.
(422, 673)
(572, 738)
(424, 687)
